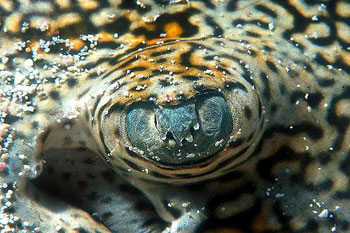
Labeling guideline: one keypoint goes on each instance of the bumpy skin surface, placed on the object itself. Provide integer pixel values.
(70, 68)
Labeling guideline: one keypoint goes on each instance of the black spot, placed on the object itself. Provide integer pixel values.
(241, 219)
(273, 108)
(217, 29)
(45, 135)
(282, 89)
(253, 34)
(54, 95)
(35, 124)
(223, 70)
(267, 48)
(341, 122)
(164, 82)
(161, 60)
(107, 215)
(308, 68)
(247, 112)
(325, 82)
(231, 5)
(266, 10)
(342, 195)
(313, 99)
(190, 77)
(89, 161)
(160, 53)
(174, 212)
(132, 5)
(267, 89)
(271, 66)
(345, 164)
(235, 85)
(72, 82)
(108, 176)
(324, 157)
(265, 167)
(81, 230)
(313, 131)
(10, 119)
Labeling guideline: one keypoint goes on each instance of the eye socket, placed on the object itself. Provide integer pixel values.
(184, 134)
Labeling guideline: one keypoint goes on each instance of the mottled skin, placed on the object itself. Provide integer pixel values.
(283, 67)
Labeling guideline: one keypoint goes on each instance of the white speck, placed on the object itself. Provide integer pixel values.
(323, 214)
(330, 67)
(334, 229)
(208, 72)
(67, 126)
(4, 60)
(314, 18)
(218, 143)
(271, 26)
(4, 220)
(185, 204)
(141, 87)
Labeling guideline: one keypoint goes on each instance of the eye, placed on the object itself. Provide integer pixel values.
(200, 137)
(184, 134)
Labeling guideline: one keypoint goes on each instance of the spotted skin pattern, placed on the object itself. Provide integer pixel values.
(70, 68)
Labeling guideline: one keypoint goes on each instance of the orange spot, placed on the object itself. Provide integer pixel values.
(105, 37)
(173, 29)
(131, 40)
(77, 43)
(154, 41)
(13, 23)
(88, 4)
(150, 27)
(346, 58)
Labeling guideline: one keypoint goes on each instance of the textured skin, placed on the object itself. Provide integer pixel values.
(283, 64)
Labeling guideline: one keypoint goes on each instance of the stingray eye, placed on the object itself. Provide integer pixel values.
(184, 134)
(203, 136)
